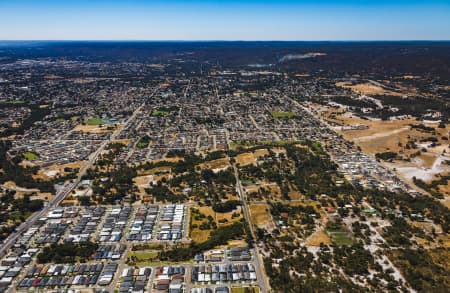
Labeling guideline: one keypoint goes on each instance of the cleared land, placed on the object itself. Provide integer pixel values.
(219, 164)
(250, 157)
(261, 217)
(92, 128)
(367, 89)
(221, 219)
(394, 136)
(317, 238)
(53, 170)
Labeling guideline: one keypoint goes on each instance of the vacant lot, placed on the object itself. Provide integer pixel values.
(53, 170)
(317, 238)
(394, 136)
(143, 255)
(261, 217)
(219, 164)
(143, 182)
(92, 128)
(250, 157)
(367, 89)
(147, 257)
(245, 290)
(155, 171)
(221, 219)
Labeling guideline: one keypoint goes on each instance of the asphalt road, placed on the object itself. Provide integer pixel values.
(259, 265)
(12, 238)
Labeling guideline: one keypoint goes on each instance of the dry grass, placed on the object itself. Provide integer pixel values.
(261, 217)
(124, 141)
(245, 159)
(69, 202)
(42, 195)
(12, 185)
(251, 188)
(317, 238)
(445, 189)
(92, 128)
(245, 289)
(428, 159)
(274, 189)
(383, 136)
(153, 171)
(367, 89)
(173, 160)
(143, 181)
(386, 135)
(249, 158)
(295, 195)
(441, 256)
(218, 164)
(198, 235)
(376, 128)
(237, 243)
(53, 170)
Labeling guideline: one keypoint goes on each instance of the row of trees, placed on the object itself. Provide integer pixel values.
(218, 237)
(67, 252)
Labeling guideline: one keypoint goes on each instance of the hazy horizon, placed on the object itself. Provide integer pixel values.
(226, 20)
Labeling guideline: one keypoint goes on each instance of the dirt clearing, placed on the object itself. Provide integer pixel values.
(317, 238)
(367, 89)
(261, 217)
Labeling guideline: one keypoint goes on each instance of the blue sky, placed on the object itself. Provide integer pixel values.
(224, 20)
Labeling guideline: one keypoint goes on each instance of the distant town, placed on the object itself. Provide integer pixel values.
(224, 167)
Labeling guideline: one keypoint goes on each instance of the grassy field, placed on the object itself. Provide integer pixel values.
(148, 258)
(283, 115)
(94, 121)
(342, 238)
(30, 156)
(143, 255)
(160, 113)
(340, 235)
(142, 145)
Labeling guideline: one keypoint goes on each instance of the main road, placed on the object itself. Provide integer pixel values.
(263, 281)
(63, 192)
